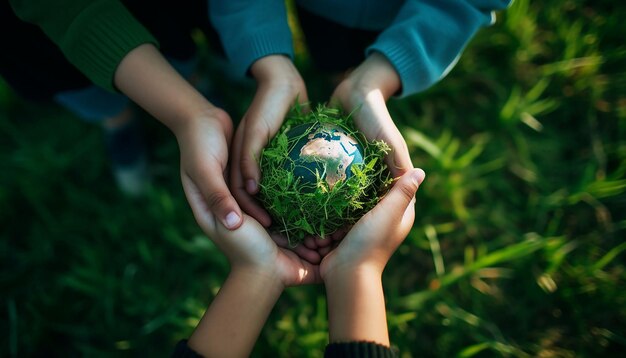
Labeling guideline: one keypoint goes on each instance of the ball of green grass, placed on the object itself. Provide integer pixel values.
(320, 174)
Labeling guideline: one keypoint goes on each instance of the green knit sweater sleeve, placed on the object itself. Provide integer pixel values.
(94, 35)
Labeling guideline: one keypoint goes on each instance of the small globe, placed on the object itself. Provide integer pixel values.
(310, 184)
(323, 149)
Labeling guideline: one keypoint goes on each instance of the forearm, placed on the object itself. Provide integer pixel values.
(356, 307)
(375, 74)
(371, 83)
(150, 81)
(367, 89)
(233, 321)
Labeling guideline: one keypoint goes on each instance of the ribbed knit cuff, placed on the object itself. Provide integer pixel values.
(414, 75)
(261, 43)
(100, 37)
(427, 38)
(358, 350)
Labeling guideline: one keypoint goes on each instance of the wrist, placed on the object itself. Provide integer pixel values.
(264, 279)
(150, 81)
(276, 70)
(340, 275)
(376, 73)
(356, 307)
(189, 121)
(236, 316)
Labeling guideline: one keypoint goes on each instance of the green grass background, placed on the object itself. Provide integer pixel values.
(517, 249)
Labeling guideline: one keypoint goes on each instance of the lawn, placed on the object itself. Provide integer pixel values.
(517, 250)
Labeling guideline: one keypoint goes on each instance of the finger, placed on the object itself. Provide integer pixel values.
(325, 250)
(401, 195)
(374, 120)
(322, 241)
(398, 160)
(312, 256)
(305, 253)
(310, 242)
(248, 203)
(201, 212)
(280, 240)
(217, 196)
(263, 120)
(340, 234)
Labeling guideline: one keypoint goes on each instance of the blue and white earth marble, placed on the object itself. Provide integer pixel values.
(325, 150)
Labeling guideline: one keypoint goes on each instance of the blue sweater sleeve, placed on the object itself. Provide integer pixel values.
(251, 29)
(427, 37)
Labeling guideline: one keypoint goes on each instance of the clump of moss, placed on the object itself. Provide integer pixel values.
(299, 209)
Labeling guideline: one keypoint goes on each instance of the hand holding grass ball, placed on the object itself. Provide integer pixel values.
(319, 174)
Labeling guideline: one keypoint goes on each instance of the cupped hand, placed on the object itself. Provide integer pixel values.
(374, 238)
(311, 255)
(365, 91)
(250, 247)
(203, 141)
(279, 86)
(202, 130)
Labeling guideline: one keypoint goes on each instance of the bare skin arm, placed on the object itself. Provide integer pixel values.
(203, 131)
(367, 89)
(233, 321)
(352, 272)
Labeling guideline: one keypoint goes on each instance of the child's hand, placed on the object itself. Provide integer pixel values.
(241, 144)
(312, 255)
(352, 272)
(260, 271)
(250, 248)
(279, 86)
(366, 89)
(203, 142)
(373, 239)
(202, 130)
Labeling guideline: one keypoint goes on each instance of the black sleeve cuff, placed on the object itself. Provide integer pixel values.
(358, 350)
(182, 350)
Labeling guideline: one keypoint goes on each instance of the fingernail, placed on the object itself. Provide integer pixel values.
(251, 186)
(418, 176)
(231, 220)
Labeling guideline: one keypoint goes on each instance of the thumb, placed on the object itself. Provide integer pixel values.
(219, 200)
(374, 120)
(263, 119)
(203, 217)
(399, 160)
(402, 193)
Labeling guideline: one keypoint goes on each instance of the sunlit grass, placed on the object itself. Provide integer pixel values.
(517, 250)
